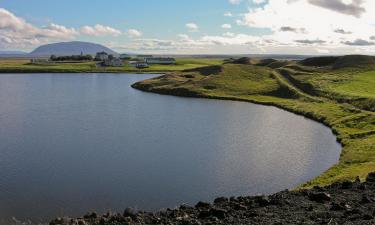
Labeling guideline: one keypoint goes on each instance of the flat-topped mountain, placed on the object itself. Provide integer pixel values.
(71, 48)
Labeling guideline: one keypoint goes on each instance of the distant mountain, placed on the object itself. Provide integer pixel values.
(5, 54)
(71, 48)
(12, 53)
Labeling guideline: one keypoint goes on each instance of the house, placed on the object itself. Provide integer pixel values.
(138, 64)
(143, 57)
(141, 65)
(101, 56)
(161, 60)
(115, 62)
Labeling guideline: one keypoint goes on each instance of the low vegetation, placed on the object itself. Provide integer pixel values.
(338, 91)
(24, 66)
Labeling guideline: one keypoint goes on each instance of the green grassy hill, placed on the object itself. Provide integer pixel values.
(339, 62)
(24, 66)
(342, 98)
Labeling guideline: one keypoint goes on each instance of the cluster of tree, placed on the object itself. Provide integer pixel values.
(71, 58)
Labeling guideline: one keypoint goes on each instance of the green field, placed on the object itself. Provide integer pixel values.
(340, 98)
(24, 66)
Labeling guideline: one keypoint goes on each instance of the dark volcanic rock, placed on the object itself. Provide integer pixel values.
(341, 203)
(319, 197)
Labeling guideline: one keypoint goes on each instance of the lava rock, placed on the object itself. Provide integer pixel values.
(319, 196)
(203, 205)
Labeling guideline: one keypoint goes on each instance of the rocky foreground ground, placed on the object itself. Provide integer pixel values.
(341, 204)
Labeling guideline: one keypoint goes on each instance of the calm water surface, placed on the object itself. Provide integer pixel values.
(70, 144)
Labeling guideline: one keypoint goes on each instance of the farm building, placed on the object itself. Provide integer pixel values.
(101, 56)
(143, 57)
(138, 64)
(115, 62)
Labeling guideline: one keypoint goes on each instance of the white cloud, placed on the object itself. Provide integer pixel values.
(303, 22)
(133, 33)
(323, 51)
(226, 26)
(192, 27)
(235, 2)
(228, 14)
(100, 30)
(259, 1)
(15, 32)
(228, 34)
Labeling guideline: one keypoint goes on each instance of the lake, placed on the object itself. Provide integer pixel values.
(74, 143)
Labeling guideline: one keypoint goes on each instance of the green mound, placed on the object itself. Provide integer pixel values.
(339, 62)
(245, 61)
(278, 64)
(207, 70)
(354, 61)
(266, 62)
(320, 61)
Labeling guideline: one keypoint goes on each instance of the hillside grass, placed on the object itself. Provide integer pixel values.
(24, 66)
(354, 127)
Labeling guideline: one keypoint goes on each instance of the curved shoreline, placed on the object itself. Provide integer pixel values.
(335, 203)
(338, 172)
(270, 103)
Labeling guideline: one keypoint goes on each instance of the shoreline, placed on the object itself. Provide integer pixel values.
(87, 72)
(338, 203)
(328, 112)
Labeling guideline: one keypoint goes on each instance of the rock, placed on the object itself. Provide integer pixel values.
(262, 200)
(58, 221)
(129, 212)
(319, 197)
(367, 217)
(221, 200)
(239, 207)
(204, 214)
(365, 199)
(346, 185)
(108, 214)
(219, 213)
(203, 205)
(348, 204)
(185, 207)
(371, 177)
(92, 215)
(339, 206)
(82, 222)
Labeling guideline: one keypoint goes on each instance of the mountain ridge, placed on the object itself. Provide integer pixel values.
(71, 48)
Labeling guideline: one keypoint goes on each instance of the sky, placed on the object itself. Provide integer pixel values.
(311, 27)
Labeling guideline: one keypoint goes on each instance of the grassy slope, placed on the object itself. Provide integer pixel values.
(23, 66)
(354, 127)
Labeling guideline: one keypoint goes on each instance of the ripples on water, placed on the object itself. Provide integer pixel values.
(70, 144)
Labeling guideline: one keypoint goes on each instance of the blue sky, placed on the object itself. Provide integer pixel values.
(209, 26)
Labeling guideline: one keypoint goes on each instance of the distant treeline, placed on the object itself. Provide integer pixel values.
(71, 58)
